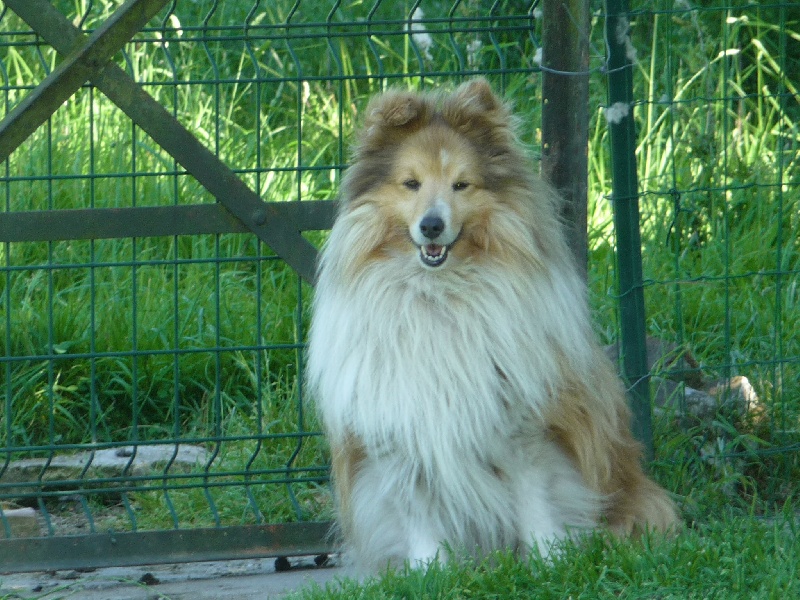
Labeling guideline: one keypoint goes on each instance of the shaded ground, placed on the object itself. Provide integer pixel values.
(239, 579)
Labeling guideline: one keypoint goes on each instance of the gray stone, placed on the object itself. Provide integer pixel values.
(21, 522)
(82, 470)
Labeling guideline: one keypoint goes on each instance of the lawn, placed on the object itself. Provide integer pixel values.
(731, 557)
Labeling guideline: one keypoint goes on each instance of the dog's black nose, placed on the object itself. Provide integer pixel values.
(431, 226)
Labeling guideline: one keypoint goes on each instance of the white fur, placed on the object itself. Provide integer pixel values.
(443, 376)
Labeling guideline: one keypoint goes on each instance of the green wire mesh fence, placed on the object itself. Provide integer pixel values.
(150, 361)
(717, 111)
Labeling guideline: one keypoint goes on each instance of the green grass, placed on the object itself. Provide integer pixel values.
(201, 336)
(730, 558)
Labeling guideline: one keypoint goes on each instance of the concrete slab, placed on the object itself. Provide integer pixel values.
(88, 469)
(224, 580)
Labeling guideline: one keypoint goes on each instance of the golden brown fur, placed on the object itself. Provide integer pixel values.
(607, 455)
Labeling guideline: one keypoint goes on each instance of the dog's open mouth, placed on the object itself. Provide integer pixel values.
(433, 255)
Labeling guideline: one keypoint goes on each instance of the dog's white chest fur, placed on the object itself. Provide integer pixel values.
(415, 368)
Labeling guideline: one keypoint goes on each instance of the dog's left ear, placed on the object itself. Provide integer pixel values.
(477, 112)
(478, 96)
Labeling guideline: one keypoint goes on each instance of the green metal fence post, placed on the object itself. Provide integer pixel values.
(625, 198)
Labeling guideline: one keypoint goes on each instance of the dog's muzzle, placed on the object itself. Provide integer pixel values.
(431, 227)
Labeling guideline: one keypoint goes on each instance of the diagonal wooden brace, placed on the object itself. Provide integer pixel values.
(82, 64)
(274, 227)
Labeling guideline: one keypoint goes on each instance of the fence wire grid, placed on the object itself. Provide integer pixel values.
(151, 382)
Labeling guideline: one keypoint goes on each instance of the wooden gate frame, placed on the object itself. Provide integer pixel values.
(239, 208)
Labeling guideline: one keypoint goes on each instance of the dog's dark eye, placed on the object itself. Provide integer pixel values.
(412, 184)
(460, 186)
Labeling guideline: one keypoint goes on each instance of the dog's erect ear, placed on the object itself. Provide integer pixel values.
(476, 95)
(395, 108)
(475, 111)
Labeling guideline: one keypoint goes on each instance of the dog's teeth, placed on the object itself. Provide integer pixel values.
(433, 259)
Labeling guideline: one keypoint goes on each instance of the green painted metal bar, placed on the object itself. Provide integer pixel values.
(150, 221)
(274, 228)
(625, 198)
(81, 64)
(164, 547)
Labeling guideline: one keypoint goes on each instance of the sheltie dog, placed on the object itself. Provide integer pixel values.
(467, 403)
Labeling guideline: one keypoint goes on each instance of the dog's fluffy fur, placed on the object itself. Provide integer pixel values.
(466, 401)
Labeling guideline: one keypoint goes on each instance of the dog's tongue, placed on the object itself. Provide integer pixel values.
(433, 255)
(433, 250)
